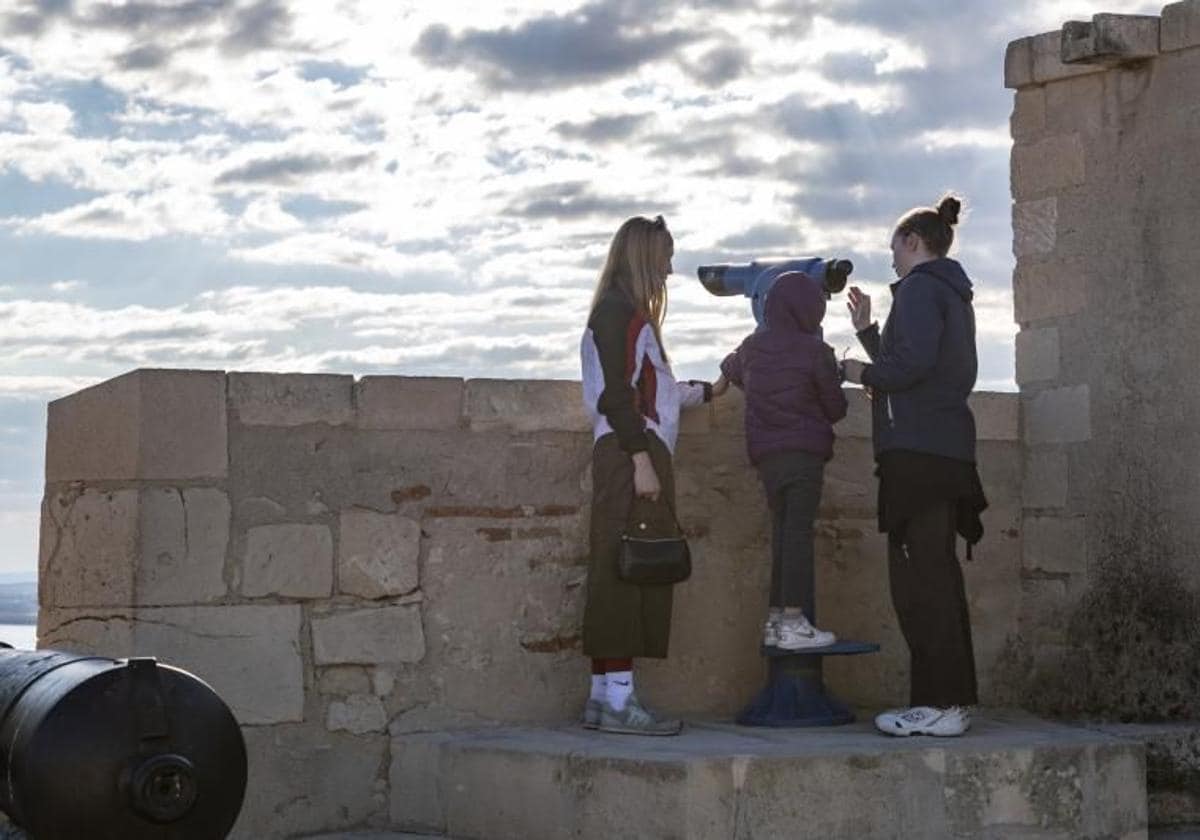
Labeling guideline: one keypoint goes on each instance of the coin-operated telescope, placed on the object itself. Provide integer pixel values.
(755, 279)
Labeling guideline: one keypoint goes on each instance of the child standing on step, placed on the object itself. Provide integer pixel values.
(793, 397)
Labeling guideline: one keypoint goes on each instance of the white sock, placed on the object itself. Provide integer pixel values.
(620, 686)
(599, 684)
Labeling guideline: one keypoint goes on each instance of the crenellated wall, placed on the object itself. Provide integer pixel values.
(1106, 130)
(349, 561)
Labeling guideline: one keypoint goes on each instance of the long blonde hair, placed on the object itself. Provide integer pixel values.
(634, 266)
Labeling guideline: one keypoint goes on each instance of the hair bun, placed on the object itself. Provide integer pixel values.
(948, 209)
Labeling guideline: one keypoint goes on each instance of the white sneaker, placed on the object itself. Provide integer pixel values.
(924, 720)
(796, 633)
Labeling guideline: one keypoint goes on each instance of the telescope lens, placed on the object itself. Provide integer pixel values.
(836, 274)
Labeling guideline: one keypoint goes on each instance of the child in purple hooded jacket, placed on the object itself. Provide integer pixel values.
(793, 397)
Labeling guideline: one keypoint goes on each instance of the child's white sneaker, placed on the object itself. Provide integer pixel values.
(771, 628)
(924, 720)
(797, 633)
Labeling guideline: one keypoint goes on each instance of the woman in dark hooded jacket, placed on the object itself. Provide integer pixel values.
(793, 398)
(923, 368)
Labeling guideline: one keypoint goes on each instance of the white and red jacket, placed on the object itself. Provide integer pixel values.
(628, 388)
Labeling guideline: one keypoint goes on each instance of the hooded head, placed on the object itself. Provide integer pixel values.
(795, 302)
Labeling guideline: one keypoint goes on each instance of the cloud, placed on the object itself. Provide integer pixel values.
(575, 199)
(599, 41)
(262, 25)
(286, 170)
(605, 129)
(719, 66)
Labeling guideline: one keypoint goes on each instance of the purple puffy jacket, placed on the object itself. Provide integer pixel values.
(790, 376)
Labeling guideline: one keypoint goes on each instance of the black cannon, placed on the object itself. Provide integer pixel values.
(101, 748)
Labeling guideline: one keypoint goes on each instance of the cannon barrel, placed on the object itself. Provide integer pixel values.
(115, 748)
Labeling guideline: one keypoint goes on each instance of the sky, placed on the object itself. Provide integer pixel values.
(430, 188)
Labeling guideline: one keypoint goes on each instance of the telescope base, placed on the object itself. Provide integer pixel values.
(795, 694)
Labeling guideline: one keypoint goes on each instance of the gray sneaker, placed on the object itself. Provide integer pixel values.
(635, 719)
(591, 714)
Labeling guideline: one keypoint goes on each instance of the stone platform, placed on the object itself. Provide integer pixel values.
(1012, 777)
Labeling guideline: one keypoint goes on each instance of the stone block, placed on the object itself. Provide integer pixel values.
(293, 561)
(250, 655)
(1038, 355)
(1048, 65)
(1059, 415)
(409, 402)
(377, 554)
(1110, 39)
(525, 405)
(996, 416)
(304, 780)
(1047, 166)
(291, 399)
(358, 713)
(89, 548)
(1045, 478)
(1046, 290)
(183, 538)
(1018, 63)
(1180, 26)
(147, 424)
(1054, 544)
(1077, 106)
(1028, 119)
(380, 635)
(1035, 227)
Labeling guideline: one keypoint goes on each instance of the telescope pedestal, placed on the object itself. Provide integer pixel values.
(795, 694)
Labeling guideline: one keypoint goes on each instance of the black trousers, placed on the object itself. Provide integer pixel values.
(931, 604)
(792, 482)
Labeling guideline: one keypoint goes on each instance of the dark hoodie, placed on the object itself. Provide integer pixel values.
(923, 365)
(789, 374)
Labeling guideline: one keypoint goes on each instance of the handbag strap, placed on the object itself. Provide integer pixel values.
(656, 502)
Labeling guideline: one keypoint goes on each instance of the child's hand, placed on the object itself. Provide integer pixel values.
(720, 386)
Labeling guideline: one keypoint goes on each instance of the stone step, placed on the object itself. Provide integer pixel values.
(1011, 777)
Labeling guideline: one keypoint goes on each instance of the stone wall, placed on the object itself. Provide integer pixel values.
(1106, 127)
(351, 561)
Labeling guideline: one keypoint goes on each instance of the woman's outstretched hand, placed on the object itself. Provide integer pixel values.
(645, 479)
(859, 304)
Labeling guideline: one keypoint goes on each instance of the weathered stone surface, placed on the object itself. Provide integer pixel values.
(371, 636)
(303, 779)
(1054, 544)
(1035, 227)
(89, 548)
(1048, 65)
(184, 534)
(1037, 355)
(1018, 63)
(1045, 479)
(1180, 26)
(1077, 106)
(995, 416)
(1028, 119)
(525, 405)
(1110, 39)
(343, 680)
(1046, 290)
(290, 399)
(377, 554)
(1059, 415)
(1015, 778)
(409, 402)
(250, 655)
(358, 713)
(147, 424)
(1047, 166)
(294, 561)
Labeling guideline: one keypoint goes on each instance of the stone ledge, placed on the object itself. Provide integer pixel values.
(1110, 39)
(290, 399)
(409, 403)
(525, 405)
(1180, 26)
(1014, 776)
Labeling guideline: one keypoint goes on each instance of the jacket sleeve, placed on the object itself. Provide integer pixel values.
(693, 392)
(829, 387)
(916, 334)
(610, 329)
(869, 339)
(731, 367)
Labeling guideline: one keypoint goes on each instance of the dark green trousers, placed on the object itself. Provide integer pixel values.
(622, 620)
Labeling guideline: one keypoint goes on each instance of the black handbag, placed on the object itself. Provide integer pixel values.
(653, 548)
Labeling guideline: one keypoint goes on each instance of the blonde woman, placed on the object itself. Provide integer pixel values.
(634, 403)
